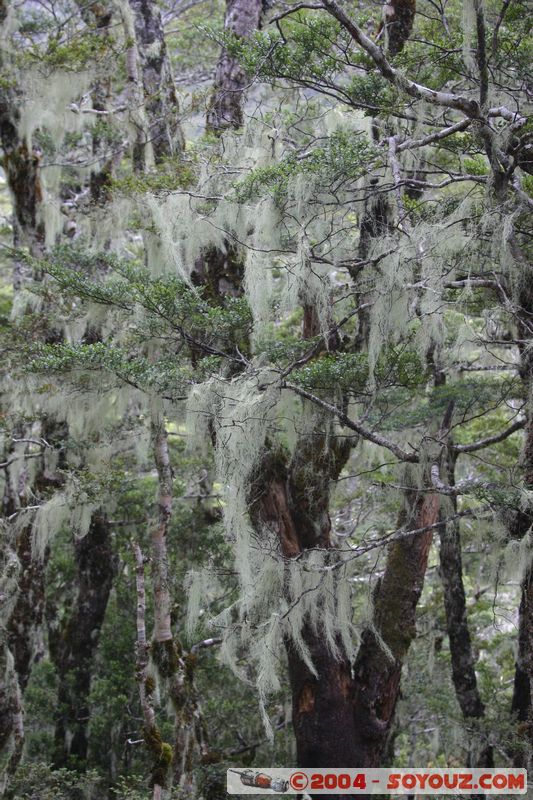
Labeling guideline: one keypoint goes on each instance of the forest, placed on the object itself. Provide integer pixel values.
(266, 399)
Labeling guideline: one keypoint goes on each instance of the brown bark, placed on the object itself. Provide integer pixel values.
(27, 616)
(22, 166)
(343, 717)
(72, 649)
(220, 271)
(323, 718)
(377, 675)
(226, 107)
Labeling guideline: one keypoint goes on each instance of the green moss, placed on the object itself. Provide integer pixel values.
(161, 753)
(169, 177)
(166, 657)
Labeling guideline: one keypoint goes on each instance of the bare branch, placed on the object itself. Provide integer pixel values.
(499, 437)
(399, 452)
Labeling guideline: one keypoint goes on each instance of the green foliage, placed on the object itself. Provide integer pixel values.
(349, 371)
(74, 54)
(167, 302)
(303, 53)
(164, 376)
(477, 165)
(343, 156)
(372, 92)
(53, 784)
(171, 175)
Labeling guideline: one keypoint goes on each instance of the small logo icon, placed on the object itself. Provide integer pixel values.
(299, 781)
(260, 780)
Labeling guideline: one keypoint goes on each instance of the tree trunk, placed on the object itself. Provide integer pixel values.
(162, 623)
(160, 99)
(522, 690)
(522, 702)
(377, 673)
(225, 109)
(73, 648)
(343, 716)
(175, 668)
(22, 167)
(99, 16)
(325, 726)
(462, 658)
(27, 616)
(23, 615)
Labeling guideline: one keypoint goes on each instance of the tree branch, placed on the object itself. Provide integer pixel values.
(416, 90)
(499, 437)
(400, 453)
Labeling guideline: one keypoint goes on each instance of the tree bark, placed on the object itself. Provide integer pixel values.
(160, 99)
(343, 716)
(522, 702)
(162, 622)
(376, 674)
(398, 20)
(73, 648)
(22, 167)
(23, 615)
(100, 17)
(226, 107)
(160, 752)
(523, 680)
(27, 616)
(175, 668)
(462, 658)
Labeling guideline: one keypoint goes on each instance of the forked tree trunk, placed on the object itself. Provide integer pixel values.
(377, 675)
(342, 718)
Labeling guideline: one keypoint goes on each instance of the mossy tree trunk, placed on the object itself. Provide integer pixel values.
(522, 702)
(160, 577)
(377, 673)
(523, 683)
(72, 649)
(461, 653)
(22, 616)
(343, 717)
(175, 668)
(100, 17)
(226, 106)
(160, 99)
